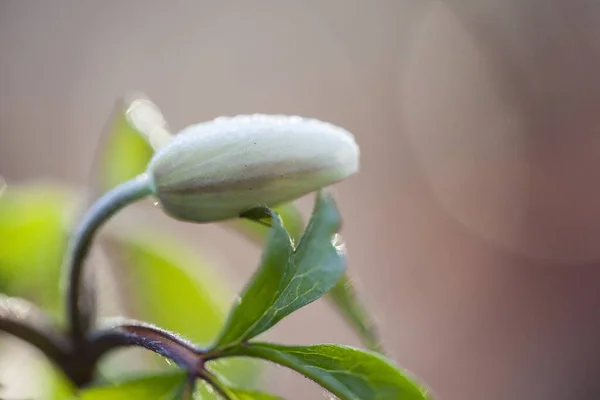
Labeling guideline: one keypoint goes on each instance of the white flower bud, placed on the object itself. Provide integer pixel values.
(219, 169)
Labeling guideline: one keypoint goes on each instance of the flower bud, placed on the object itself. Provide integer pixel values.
(219, 169)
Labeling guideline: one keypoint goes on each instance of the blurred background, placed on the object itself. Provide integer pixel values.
(473, 228)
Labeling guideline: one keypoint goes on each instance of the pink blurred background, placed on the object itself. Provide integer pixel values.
(474, 225)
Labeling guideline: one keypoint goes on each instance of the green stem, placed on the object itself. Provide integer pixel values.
(184, 391)
(104, 208)
(219, 386)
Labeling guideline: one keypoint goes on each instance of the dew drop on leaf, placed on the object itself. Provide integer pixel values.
(338, 242)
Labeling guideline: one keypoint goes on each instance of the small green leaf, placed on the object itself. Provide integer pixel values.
(348, 373)
(168, 286)
(126, 149)
(262, 290)
(150, 387)
(342, 296)
(288, 280)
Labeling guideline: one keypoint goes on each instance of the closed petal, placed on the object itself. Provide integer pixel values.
(216, 170)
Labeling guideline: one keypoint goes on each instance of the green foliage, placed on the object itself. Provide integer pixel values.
(163, 277)
(54, 384)
(348, 373)
(172, 288)
(33, 239)
(343, 295)
(162, 386)
(260, 294)
(126, 150)
(288, 279)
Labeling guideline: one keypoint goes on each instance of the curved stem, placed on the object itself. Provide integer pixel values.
(105, 207)
(21, 319)
(160, 341)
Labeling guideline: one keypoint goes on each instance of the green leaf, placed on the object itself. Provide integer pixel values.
(33, 237)
(126, 149)
(288, 280)
(56, 385)
(342, 296)
(151, 387)
(163, 276)
(174, 289)
(348, 373)
(261, 292)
